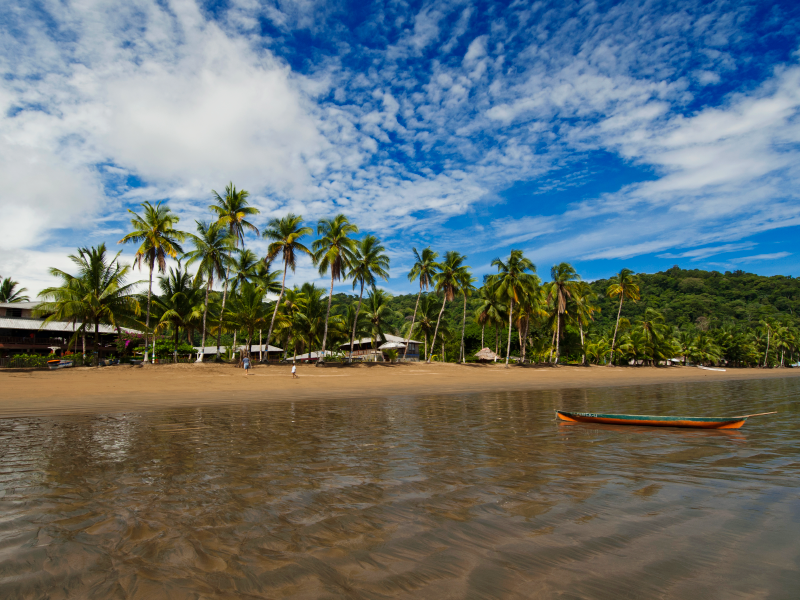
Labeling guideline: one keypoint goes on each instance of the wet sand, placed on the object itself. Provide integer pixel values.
(122, 388)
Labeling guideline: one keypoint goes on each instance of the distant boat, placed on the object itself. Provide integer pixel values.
(710, 368)
(59, 364)
(656, 421)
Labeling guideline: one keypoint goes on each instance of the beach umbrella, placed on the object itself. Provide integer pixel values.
(486, 354)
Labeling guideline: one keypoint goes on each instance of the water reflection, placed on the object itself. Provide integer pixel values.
(482, 496)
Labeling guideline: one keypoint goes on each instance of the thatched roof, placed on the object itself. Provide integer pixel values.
(486, 354)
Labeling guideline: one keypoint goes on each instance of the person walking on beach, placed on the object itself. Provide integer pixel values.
(294, 371)
(246, 364)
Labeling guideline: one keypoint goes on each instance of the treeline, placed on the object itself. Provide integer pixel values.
(517, 313)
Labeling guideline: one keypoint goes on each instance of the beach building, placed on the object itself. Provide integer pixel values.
(271, 353)
(310, 357)
(363, 349)
(23, 333)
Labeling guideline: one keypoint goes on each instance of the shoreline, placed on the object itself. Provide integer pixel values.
(124, 388)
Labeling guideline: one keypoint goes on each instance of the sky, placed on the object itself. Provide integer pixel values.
(630, 134)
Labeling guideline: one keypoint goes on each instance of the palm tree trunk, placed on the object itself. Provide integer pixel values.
(483, 328)
(496, 341)
(202, 352)
(614, 339)
(327, 316)
(552, 343)
(525, 340)
(583, 348)
(463, 328)
(413, 318)
(147, 319)
(426, 343)
(277, 303)
(766, 354)
(443, 356)
(260, 348)
(510, 316)
(558, 336)
(83, 339)
(235, 349)
(355, 321)
(175, 347)
(222, 310)
(436, 331)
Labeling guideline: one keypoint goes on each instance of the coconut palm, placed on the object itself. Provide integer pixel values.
(512, 282)
(99, 293)
(334, 251)
(179, 303)
(212, 247)
(466, 281)
(232, 212)
(491, 310)
(427, 318)
(564, 282)
(246, 268)
(625, 285)
(447, 278)
(285, 235)
(369, 262)
(9, 292)
(310, 316)
(379, 313)
(155, 231)
(424, 269)
(247, 311)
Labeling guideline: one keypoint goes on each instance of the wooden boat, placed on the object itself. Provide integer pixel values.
(59, 364)
(656, 421)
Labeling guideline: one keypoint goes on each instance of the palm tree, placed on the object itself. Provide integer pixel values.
(427, 319)
(310, 316)
(424, 269)
(179, 303)
(155, 231)
(378, 313)
(9, 293)
(448, 276)
(466, 284)
(490, 310)
(97, 294)
(247, 311)
(564, 283)
(512, 282)
(232, 212)
(625, 285)
(246, 268)
(334, 251)
(369, 261)
(767, 327)
(212, 247)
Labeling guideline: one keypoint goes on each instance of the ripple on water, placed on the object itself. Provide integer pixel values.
(474, 496)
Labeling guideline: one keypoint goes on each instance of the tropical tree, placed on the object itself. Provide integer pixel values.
(232, 212)
(179, 304)
(427, 319)
(465, 284)
(491, 310)
(99, 293)
(369, 262)
(247, 311)
(212, 247)
(625, 285)
(512, 282)
(334, 251)
(583, 298)
(378, 312)
(447, 278)
(155, 231)
(246, 268)
(563, 284)
(9, 292)
(310, 316)
(285, 235)
(424, 268)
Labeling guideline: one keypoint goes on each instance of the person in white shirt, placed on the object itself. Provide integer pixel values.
(294, 371)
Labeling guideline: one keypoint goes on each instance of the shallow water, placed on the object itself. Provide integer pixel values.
(474, 496)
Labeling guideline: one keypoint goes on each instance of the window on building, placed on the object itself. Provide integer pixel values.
(14, 313)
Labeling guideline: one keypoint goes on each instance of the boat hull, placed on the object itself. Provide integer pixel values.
(654, 421)
(59, 364)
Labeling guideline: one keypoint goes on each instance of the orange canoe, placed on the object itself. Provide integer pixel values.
(658, 421)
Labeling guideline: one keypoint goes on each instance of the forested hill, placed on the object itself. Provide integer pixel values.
(707, 299)
(692, 300)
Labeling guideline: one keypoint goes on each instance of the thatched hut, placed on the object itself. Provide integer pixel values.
(486, 355)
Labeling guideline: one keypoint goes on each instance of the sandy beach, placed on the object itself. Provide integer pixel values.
(121, 388)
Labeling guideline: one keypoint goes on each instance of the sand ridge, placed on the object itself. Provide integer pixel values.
(121, 388)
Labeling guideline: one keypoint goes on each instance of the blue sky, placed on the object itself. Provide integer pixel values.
(605, 134)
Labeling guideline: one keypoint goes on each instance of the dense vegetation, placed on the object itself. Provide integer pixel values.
(697, 316)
